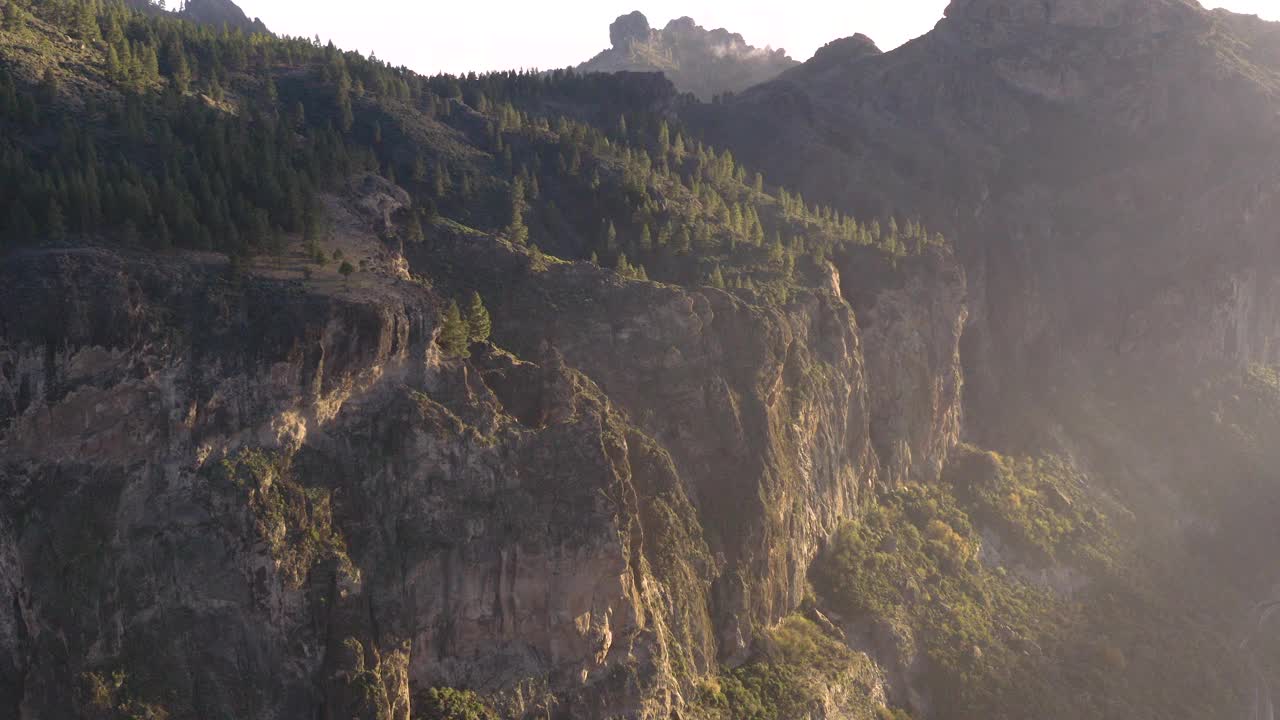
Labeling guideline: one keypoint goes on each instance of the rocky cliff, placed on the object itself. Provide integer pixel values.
(257, 494)
(700, 61)
(715, 450)
(1104, 168)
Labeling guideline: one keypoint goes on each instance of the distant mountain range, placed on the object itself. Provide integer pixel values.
(704, 62)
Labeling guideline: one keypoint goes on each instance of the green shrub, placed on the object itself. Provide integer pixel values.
(445, 703)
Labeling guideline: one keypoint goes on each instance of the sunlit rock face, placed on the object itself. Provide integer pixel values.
(276, 488)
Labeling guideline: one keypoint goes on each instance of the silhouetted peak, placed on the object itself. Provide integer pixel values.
(629, 29)
(704, 62)
(854, 47)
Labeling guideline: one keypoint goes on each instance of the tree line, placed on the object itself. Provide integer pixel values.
(221, 140)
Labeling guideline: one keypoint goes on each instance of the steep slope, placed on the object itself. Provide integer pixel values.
(249, 468)
(1106, 167)
(327, 389)
(1107, 172)
(704, 62)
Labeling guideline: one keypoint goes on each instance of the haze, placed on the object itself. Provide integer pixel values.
(460, 37)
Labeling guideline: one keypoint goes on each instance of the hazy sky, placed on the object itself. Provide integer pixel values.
(461, 35)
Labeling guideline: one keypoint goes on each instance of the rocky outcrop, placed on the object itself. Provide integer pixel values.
(262, 493)
(630, 29)
(253, 500)
(911, 321)
(778, 421)
(703, 62)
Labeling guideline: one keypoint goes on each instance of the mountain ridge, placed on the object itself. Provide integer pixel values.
(932, 384)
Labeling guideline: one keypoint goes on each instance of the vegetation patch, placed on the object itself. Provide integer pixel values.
(996, 646)
(295, 521)
(1035, 504)
(797, 671)
(446, 703)
(108, 696)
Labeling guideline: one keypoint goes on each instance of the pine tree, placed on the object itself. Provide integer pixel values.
(454, 334)
(479, 324)
(181, 72)
(21, 227)
(610, 239)
(516, 230)
(418, 169)
(86, 25)
(12, 17)
(776, 251)
(414, 230)
(49, 86)
(440, 180)
(56, 222)
(342, 99)
(683, 243)
(114, 68)
(148, 67)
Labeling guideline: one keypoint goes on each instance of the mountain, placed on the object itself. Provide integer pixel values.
(218, 13)
(704, 62)
(214, 13)
(936, 384)
(1105, 172)
(1056, 141)
(308, 486)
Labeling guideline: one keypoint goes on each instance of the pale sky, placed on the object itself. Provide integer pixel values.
(462, 35)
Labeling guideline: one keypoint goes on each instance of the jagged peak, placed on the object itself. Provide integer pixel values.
(704, 62)
(628, 29)
(854, 47)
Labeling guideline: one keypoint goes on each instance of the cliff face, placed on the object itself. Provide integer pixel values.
(778, 421)
(240, 484)
(274, 488)
(1103, 167)
(261, 495)
(699, 61)
(1106, 170)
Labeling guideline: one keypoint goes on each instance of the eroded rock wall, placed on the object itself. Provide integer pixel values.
(263, 496)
